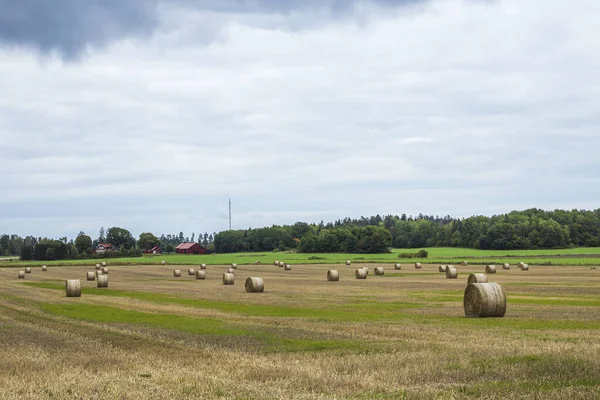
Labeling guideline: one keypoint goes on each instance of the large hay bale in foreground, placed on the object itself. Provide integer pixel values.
(73, 287)
(44, 268)
(333, 275)
(463, 263)
(348, 262)
(191, 271)
(525, 267)
(91, 276)
(230, 270)
(483, 300)
(397, 266)
(255, 285)
(234, 265)
(287, 267)
(102, 281)
(442, 268)
(200, 274)
(98, 266)
(228, 278)
(21, 274)
(176, 273)
(490, 269)
(506, 266)
(27, 270)
(104, 270)
(418, 265)
(361, 273)
(379, 271)
(202, 266)
(451, 272)
(477, 278)
(104, 263)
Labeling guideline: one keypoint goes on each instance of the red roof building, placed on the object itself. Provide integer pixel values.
(154, 250)
(190, 248)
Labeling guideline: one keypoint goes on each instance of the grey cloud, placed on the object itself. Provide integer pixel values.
(70, 26)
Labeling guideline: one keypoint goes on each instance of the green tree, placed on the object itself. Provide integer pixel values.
(120, 237)
(83, 243)
(147, 241)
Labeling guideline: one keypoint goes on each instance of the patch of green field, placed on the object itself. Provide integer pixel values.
(271, 342)
(437, 255)
(353, 312)
(362, 311)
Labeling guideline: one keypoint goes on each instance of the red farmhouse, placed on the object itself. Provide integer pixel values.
(190, 248)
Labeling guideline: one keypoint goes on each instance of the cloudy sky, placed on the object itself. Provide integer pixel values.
(150, 115)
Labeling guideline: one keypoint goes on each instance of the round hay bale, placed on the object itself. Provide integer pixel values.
(91, 276)
(163, 263)
(463, 263)
(483, 300)
(200, 274)
(202, 266)
(27, 270)
(234, 265)
(44, 268)
(442, 268)
(333, 275)
(287, 267)
(490, 269)
(104, 270)
(276, 263)
(255, 285)
(379, 271)
(366, 269)
(98, 266)
(451, 272)
(506, 266)
(477, 278)
(104, 263)
(348, 262)
(191, 271)
(98, 273)
(176, 273)
(525, 267)
(228, 278)
(418, 265)
(360, 273)
(397, 266)
(73, 287)
(520, 264)
(102, 280)
(230, 270)
(281, 264)
(21, 274)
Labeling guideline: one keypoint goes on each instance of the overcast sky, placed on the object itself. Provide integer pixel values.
(150, 115)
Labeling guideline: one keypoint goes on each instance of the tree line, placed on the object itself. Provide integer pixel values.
(528, 229)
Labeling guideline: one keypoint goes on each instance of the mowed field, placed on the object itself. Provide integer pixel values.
(402, 335)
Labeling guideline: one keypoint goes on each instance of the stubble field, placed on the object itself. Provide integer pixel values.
(402, 335)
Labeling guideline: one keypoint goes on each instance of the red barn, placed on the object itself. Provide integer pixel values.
(190, 248)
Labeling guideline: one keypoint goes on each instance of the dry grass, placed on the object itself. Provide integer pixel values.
(401, 335)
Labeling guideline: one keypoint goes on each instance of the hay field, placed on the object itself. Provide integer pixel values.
(402, 335)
